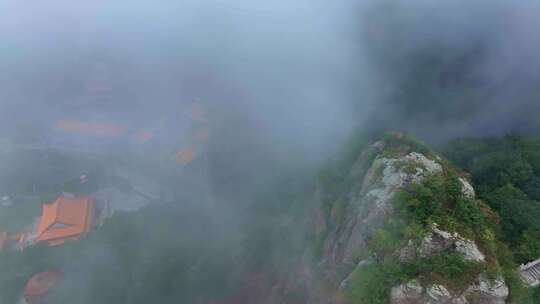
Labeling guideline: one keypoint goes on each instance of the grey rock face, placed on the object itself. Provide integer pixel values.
(467, 188)
(412, 292)
(408, 253)
(438, 241)
(373, 202)
(486, 291)
(437, 294)
(483, 291)
(370, 203)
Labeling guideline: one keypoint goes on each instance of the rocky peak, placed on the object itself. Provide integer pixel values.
(384, 169)
(371, 203)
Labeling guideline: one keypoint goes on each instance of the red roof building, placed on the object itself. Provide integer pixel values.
(39, 286)
(65, 219)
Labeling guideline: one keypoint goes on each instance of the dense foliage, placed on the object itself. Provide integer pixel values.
(439, 199)
(506, 174)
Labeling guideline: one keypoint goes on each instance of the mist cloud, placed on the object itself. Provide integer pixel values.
(455, 68)
(302, 75)
(282, 66)
(284, 83)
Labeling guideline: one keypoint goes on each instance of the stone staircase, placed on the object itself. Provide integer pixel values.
(530, 273)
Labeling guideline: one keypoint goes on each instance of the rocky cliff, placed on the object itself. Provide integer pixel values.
(404, 227)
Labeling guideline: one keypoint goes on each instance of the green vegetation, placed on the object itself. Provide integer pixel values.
(519, 293)
(337, 178)
(335, 181)
(438, 199)
(396, 143)
(371, 283)
(435, 200)
(506, 173)
(171, 253)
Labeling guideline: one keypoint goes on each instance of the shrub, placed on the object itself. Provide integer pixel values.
(371, 284)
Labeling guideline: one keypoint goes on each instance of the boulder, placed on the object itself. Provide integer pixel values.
(467, 189)
(486, 291)
(409, 293)
(414, 293)
(439, 240)
(436, 294)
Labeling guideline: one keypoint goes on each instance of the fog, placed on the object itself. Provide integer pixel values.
(455, 68)
(302, 74)
(281, 66)
(231, 102)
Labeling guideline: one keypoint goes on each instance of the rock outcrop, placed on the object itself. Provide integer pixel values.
(467, 188)
(376, 177)
(411, 292)
(371, 203)
(483, 291)
(438, 241)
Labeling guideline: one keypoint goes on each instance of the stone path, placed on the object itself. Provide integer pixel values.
(530, 273)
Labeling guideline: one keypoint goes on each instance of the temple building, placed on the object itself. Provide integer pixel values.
(67, 218)
(39, 286)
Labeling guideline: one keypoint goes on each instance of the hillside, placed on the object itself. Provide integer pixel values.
(389, 221)
(506, 172)
(402, 225)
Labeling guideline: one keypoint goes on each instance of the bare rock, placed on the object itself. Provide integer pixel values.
(409, 293)
(373, 202)
(436, 294)
(467, 189)
(414, 293)
(435, 243)
(424, 165)
(486, 291)
(483, 291)
(469, 249)
(407, 253)
(439, 240)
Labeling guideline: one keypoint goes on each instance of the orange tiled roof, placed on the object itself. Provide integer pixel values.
(97, 129)
(65, 218)
(40, 284)
(185, 156)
